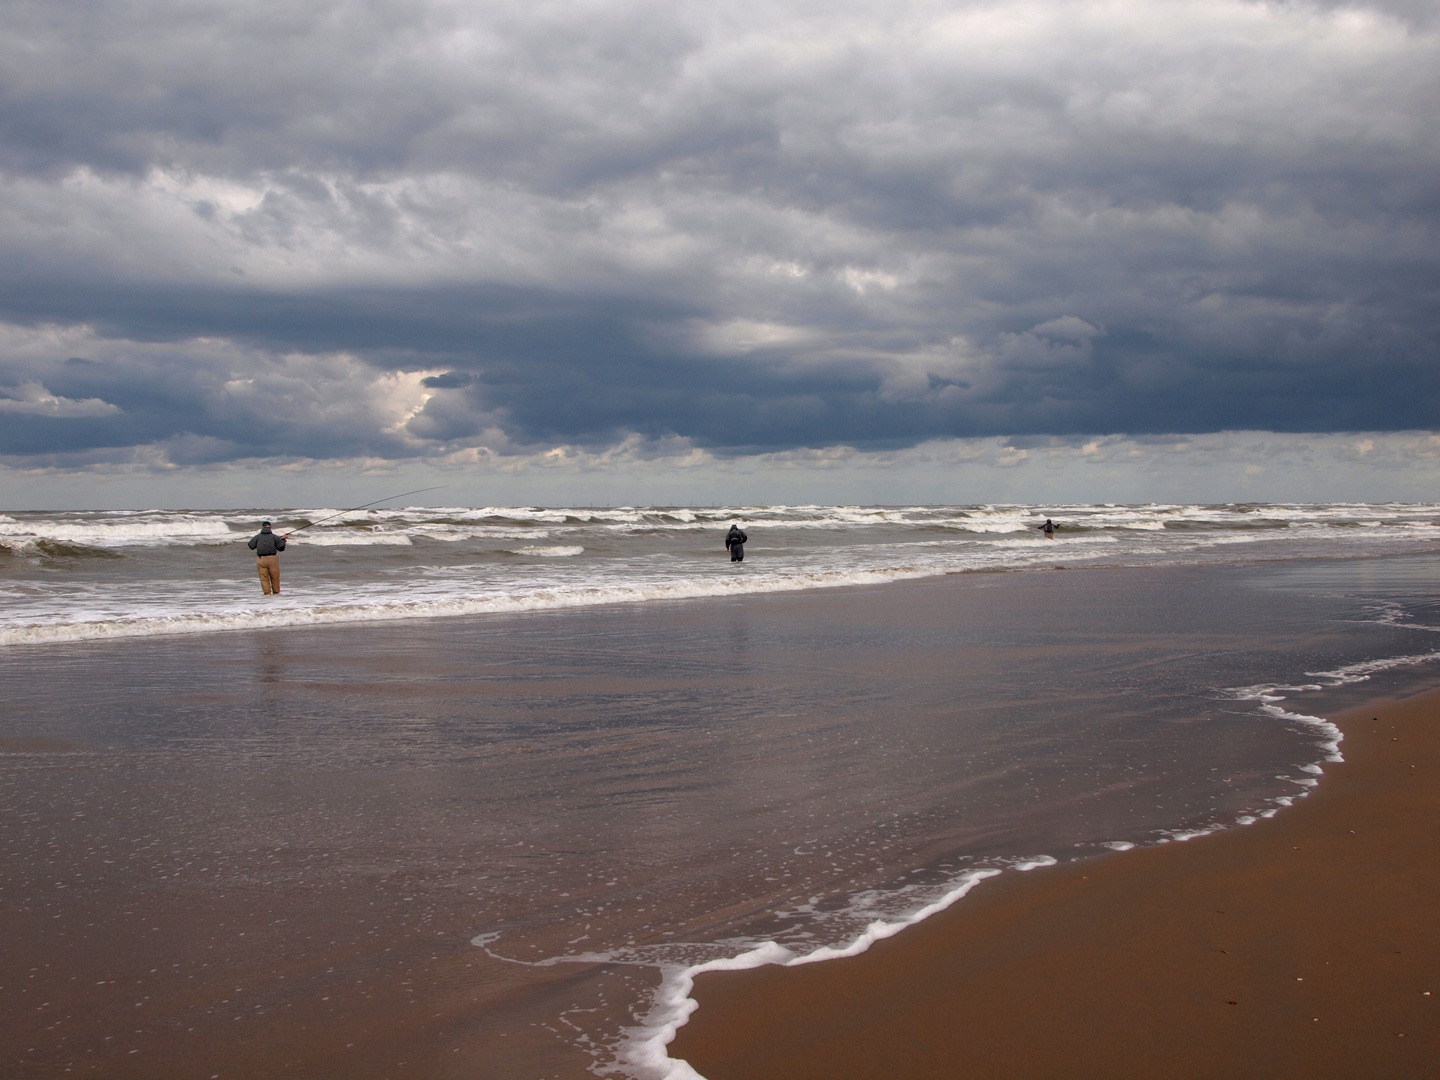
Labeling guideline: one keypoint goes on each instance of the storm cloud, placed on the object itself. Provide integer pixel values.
(406, 230)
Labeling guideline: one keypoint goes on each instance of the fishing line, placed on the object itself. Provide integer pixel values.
(362, 506)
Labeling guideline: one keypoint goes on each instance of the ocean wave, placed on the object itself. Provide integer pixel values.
(291, 613)
(353, 539)
(631, 554)
(185, 529)
(59, 549)
(190, 527)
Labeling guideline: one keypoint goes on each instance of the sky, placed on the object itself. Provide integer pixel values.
(657, 251)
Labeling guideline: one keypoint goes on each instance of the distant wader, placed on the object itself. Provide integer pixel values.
(266, 544)
(735, 541)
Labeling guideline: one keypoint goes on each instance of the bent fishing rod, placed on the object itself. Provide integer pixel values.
(362, 506)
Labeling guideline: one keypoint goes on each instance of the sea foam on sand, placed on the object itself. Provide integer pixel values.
(643, 1051)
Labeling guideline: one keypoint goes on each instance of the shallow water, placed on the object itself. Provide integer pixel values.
(601, 795)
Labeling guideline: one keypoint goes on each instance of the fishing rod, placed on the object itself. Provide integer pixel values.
(362, 506)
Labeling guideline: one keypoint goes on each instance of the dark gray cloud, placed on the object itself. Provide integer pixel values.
(397, 230)
(449, 380)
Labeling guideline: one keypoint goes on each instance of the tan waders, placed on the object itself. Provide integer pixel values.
(269, 574)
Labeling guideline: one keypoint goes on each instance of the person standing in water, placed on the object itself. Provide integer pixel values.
(735, 542)
(1048, 529)
(267, 546)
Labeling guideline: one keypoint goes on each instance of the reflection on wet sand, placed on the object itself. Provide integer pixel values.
(268, 854)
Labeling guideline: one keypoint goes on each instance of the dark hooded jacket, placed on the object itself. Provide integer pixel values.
(266, 542)
(735, 538)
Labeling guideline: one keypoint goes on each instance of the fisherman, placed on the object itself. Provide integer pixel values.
(266, 545)
(1048, 529)
(735, 541)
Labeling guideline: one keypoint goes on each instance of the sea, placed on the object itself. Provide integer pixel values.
(550, 764)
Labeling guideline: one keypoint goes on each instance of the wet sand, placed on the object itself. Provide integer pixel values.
(266, 855)
(1306, 945)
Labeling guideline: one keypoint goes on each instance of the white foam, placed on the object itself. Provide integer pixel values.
(1367, 524)
(1035, 863)
(326, 611)
(1353, 673)
(555, 551)
(1331, 736)
(642, 1052)
(1181, 835)
(321, 538)
(182, 529)
(1269, 694)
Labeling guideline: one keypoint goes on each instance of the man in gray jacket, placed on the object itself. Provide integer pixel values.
(735, 542)
(266, 545)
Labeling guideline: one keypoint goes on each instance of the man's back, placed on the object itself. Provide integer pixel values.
(266, 542)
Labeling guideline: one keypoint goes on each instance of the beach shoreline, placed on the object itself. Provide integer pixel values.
(275, 854)
(1306, 944)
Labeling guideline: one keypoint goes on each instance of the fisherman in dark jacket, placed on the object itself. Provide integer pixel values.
(735, 541)
(266, 545)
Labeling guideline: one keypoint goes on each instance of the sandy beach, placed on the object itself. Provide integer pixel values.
(1305, 945)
